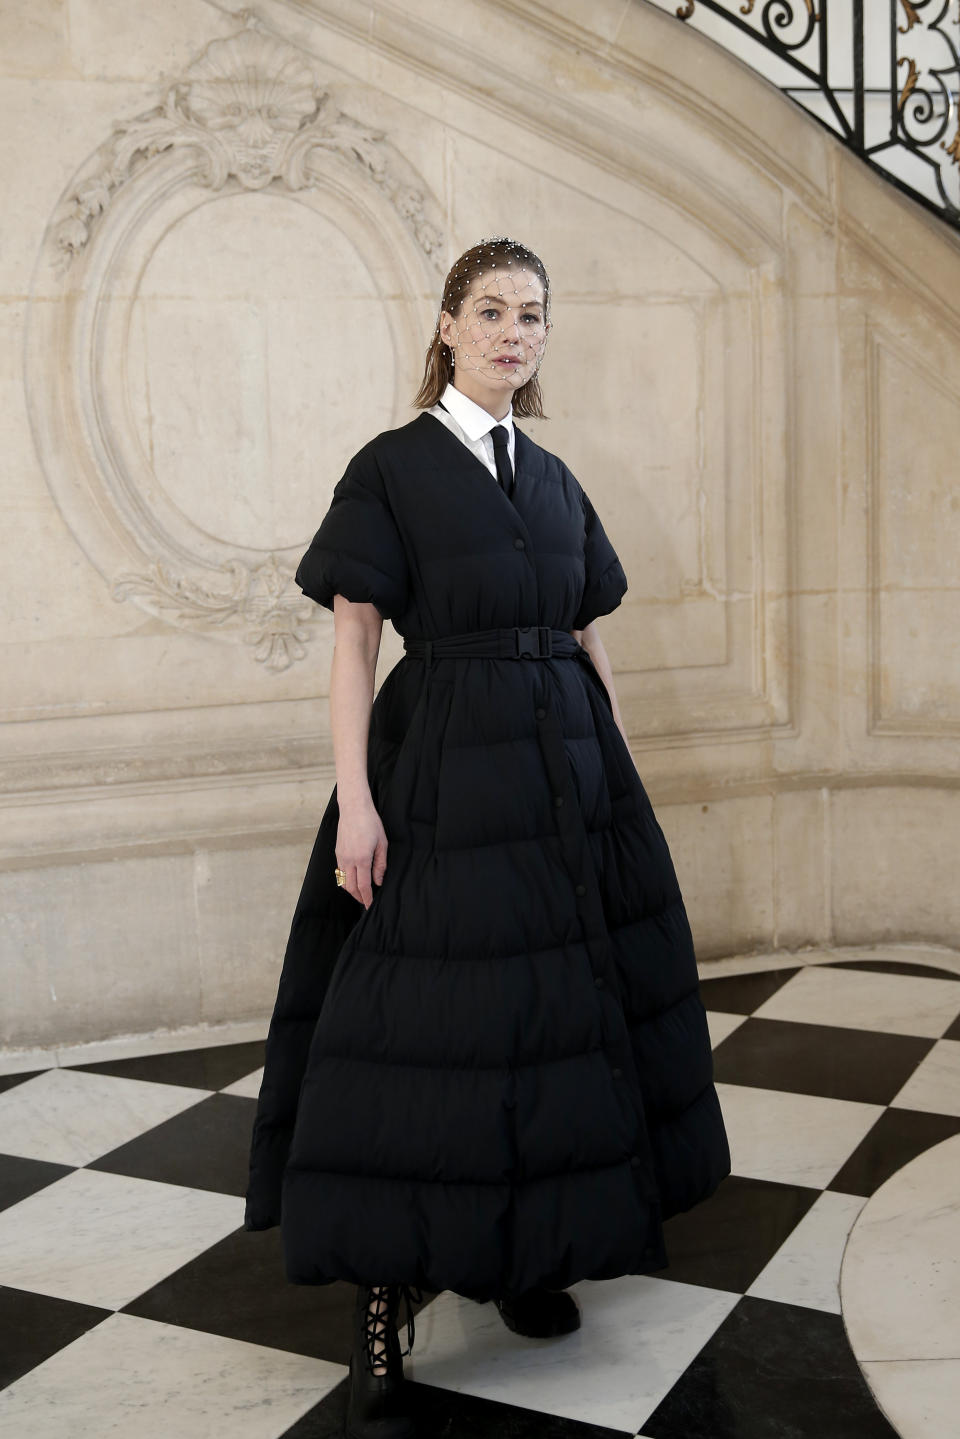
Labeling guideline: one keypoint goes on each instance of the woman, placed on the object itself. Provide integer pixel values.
(488, 1068)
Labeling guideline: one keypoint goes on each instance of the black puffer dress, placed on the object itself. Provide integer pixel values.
(499, 1074)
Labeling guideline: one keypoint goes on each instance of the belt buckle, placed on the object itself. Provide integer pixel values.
(527, 641)
(534, 640)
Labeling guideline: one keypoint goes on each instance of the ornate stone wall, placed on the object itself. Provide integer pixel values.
(226, 238)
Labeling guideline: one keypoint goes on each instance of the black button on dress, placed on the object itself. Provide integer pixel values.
(437, 1105)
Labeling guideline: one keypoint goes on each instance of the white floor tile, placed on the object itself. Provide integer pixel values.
(134, 1046)
(934, 1086)
(104, 1238)
(720, 1025)
(15, 1061)
(638, 1334)
(67, 1116)
(248, 1087)
(753, 963)
(865, 999)
(791, 1138)
(806, 1267)
(901, 1271)
(144, 1380)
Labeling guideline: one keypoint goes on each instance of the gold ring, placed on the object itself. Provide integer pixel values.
(341, 877)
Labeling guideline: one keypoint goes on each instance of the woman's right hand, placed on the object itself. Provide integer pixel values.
(361, 849)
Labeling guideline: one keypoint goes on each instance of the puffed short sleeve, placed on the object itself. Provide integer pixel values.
(358, 551)
(605, 583)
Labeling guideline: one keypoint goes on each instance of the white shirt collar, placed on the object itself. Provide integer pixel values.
(472, 418)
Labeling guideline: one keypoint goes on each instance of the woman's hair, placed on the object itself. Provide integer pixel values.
(478, 260)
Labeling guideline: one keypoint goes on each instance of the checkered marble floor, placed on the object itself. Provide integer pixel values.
(133, 1302)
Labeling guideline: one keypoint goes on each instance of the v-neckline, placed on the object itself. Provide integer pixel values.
(473, 463)
(491, 479)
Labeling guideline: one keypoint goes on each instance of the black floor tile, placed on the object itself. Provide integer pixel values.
(205, 1147)
(823, 1059)
(212, 1068)
(725, 1241)
(237, 1288)
(7, 1081)
(891, 966)
(444, 1414)
(954, 1031)
(772, 1371)
(34, 1326)
(898, 1136)
(743, 993)
(19, 1177)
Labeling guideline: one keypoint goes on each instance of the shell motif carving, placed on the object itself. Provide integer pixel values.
(250, 107)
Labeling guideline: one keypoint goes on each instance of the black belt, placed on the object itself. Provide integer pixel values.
(521, 642)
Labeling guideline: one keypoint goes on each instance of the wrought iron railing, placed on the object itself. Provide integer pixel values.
(882, 75)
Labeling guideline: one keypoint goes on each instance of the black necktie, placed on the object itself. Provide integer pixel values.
(501, 455)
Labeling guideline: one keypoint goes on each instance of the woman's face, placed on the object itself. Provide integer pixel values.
(499, 336)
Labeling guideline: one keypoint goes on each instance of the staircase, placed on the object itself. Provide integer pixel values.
(882, 75)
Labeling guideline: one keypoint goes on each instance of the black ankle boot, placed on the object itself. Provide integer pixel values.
(377, 1403)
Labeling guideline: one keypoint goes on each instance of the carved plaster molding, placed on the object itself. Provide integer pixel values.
(249, 107)
(247, 114)
(275, 614)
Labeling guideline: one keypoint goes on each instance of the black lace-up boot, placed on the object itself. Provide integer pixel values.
(377, 1406)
